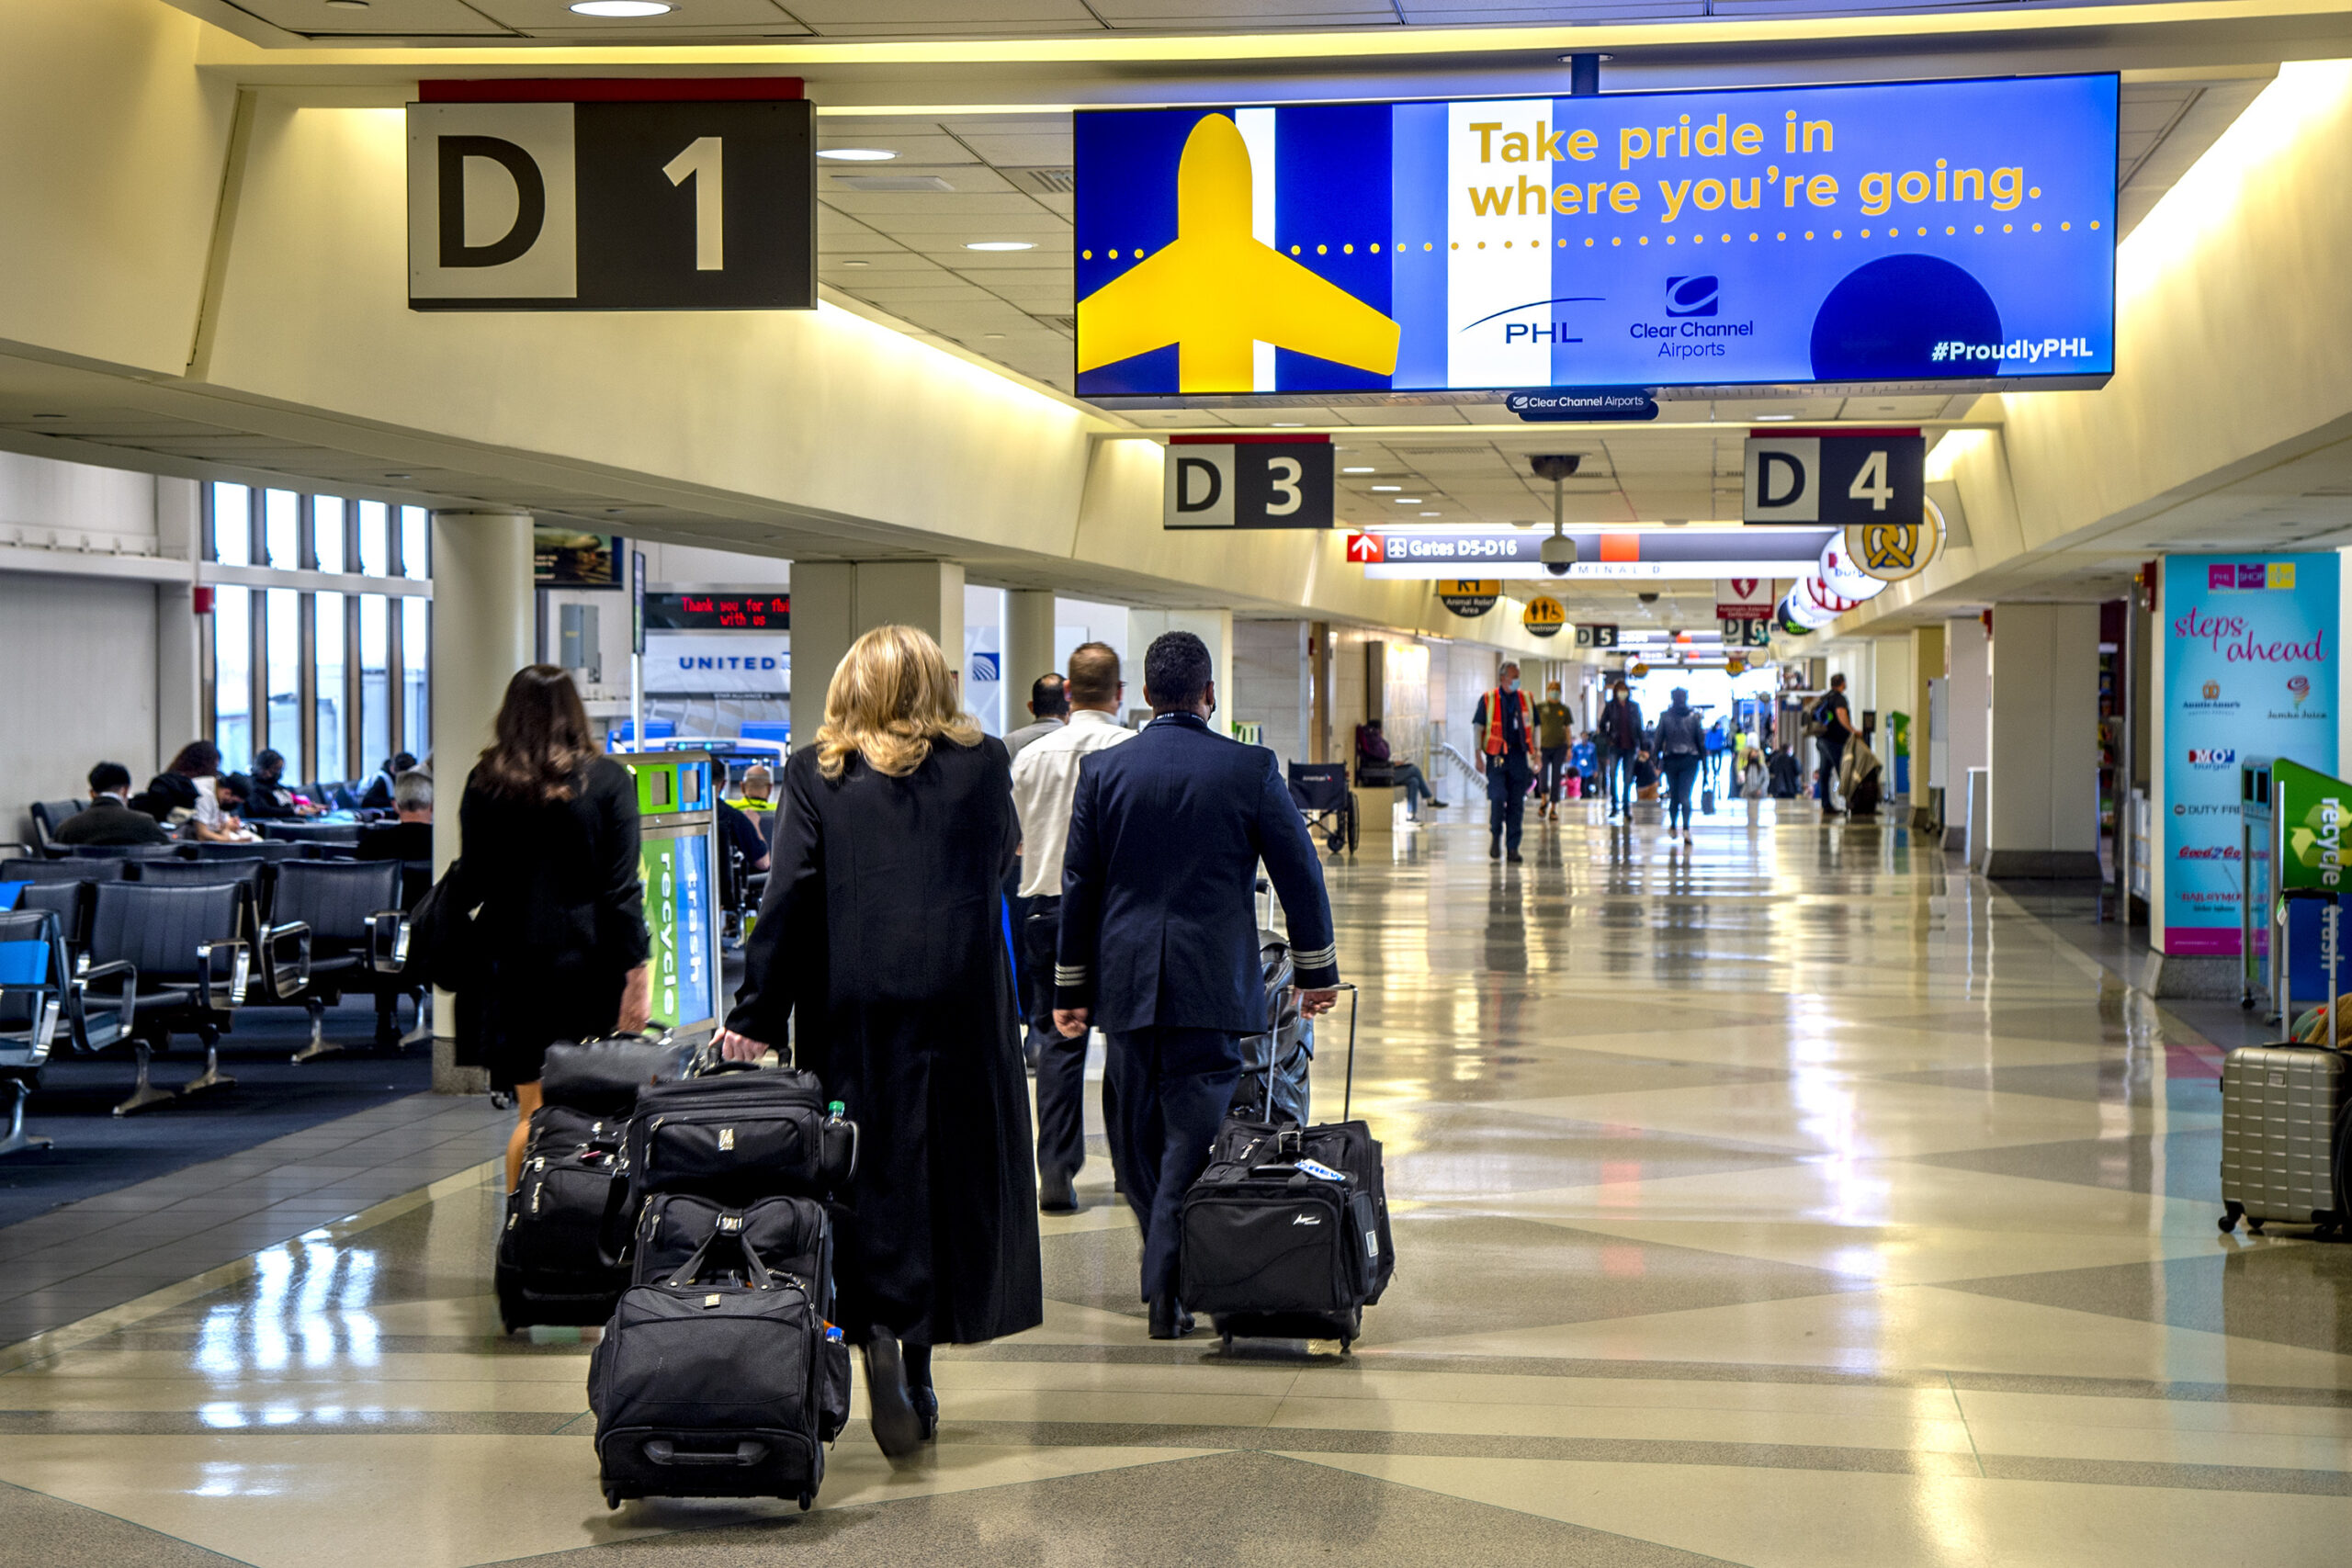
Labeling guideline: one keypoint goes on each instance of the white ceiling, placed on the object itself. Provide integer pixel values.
(705, 21)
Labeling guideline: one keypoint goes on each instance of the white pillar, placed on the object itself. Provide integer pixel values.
(835, 603)
(1968, 710)
(481, 635)
(1926, 664)
(2045, 741)
(1028, 645)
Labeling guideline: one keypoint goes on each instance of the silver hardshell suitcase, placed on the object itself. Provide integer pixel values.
(2282, 1138)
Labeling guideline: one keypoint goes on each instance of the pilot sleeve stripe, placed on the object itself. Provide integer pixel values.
(1321, 958)
(1069, 974)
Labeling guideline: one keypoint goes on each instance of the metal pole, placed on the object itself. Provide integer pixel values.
(1584, 75)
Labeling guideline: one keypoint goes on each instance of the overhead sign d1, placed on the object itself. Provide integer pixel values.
(1893, 550)
(1246, 482)
(1468, 597)
(1544, 616)
(1839, 479)
(612, 194)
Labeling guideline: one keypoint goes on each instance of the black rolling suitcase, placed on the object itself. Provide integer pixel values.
(561, 1253)
(738, 1132)
(718, 1382)
(1285, 1234)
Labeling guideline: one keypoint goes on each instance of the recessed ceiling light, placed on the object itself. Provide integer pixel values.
(346, 4)
(1409, 501)
(400, 476)
(999, 245)
(621, 8)
(1355, 470)
(992, 334)
(1773, 417)
(857, 155)
(1387, 486)
(858, 263)
(1284, 423)
(1428, 513)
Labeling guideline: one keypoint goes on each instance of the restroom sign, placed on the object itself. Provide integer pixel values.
(683, 194)
(1544, 616)
(1222, 482)
(1839, 480)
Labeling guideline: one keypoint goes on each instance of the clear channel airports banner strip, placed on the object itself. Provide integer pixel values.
(1960, 232)
(1630, 555)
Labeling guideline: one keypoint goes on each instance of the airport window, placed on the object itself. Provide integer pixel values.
(416, 549)
(375, 683)
(282, 635)
(232, 524)
(281, 527)
(416, 703)
(326, 532)
(332, 700)
(232, 674)
(374, 539)
(335, 680)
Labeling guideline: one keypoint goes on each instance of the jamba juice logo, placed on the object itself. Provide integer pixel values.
(2299, 687)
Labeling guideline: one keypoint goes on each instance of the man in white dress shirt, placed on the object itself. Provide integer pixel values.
(1044, 777)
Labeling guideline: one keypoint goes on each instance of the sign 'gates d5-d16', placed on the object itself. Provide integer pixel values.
(1954, 231)
(621, 195)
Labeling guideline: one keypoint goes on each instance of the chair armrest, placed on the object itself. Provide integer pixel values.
(388, 941)
(125, 974)
(239, 956)
(287, 981)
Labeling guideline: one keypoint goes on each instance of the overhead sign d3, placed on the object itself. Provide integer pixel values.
(1544, 616)
(631, 194)
(1211, 482)
(1468, 597)
(1960, 232)
(1838, 480)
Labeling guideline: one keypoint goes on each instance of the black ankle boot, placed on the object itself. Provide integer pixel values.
(897, 1430)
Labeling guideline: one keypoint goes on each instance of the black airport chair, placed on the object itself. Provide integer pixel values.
(251, 871)
(117, 851)
(69, 901)
(253, 848)
(188, 952)
(70, 869)
(51, 815)
(34, 983)
(358, 941)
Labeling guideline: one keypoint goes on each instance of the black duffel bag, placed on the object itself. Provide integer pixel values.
(607, 1076)
(791, 1234)
(738, 1133)
(706, 1385)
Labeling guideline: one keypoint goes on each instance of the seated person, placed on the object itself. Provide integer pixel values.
(267, 797)
(759, 789)
(1373, 747)
(408, 840)
(378, 794)
(109, 818)
(224, 823)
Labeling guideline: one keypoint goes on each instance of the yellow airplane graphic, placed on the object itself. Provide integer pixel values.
(1217, 290)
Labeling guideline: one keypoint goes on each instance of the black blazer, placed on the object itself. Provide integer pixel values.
(557, 882)
(1160, 906)
(109, 822)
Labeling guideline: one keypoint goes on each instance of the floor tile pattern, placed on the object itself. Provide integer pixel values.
(1795, 1200)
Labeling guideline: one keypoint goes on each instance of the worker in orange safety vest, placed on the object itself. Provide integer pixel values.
(1505, 725)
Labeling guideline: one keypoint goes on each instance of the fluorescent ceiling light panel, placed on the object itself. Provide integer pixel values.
(857, 155)
(622, 7)
(999, 245)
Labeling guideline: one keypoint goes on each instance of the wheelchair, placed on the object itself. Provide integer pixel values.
(1321, 792)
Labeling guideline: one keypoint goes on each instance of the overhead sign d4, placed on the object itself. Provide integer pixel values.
(627, 195)
(1241, 483)
(1838, 480)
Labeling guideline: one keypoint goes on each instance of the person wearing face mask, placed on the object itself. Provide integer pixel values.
(1621, 738)
(1682, 744)
(1505, 726)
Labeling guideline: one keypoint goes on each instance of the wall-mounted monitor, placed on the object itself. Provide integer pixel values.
(1931, 235)
(568, 558)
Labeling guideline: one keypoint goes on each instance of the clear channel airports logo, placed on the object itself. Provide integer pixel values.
(1692, 296)
(2213, 756)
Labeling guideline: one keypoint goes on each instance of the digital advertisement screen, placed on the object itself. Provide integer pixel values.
(675, 865)
(566, 558)
(1906, 233)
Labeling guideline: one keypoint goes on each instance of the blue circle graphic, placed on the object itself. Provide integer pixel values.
(1885, 319)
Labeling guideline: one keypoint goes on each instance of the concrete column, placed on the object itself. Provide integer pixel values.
(1926, 664)
(2045, 741)
(1968, 710)
(481, 635)
(1028, 649)
(179, 667)
(835, 603)
(1214, 627)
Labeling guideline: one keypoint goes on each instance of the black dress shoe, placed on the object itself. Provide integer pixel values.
(1512, 857)
(1168, 1318)
(1439, 804)
(898, 1429)
(1495, 850)
(926, 1403)
(1058, 1194)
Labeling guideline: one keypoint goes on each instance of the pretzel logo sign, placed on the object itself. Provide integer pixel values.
(1892, 551)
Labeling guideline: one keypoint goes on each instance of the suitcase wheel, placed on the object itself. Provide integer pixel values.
(805, 1499)
(613, 1501)
(2227, 1222)
(2254, 1227)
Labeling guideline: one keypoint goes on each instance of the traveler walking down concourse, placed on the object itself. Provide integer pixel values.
(879, 945)
(1682, 745)
(1160, 936)
(1045, 779)
(1555, 722)
(1620, 740)
(548, 854)
(1505, 727)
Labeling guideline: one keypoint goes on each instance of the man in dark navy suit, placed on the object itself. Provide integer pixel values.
(1160, 936)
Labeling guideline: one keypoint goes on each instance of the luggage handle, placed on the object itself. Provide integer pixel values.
(745, 1454)
(1348, 1097)
(691, 1270)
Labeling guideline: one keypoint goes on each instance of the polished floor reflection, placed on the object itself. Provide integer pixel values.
(1789, 1199)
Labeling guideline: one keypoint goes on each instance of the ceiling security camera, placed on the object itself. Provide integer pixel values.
(1555, 465)
(1646, 598)
(1559, 554)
